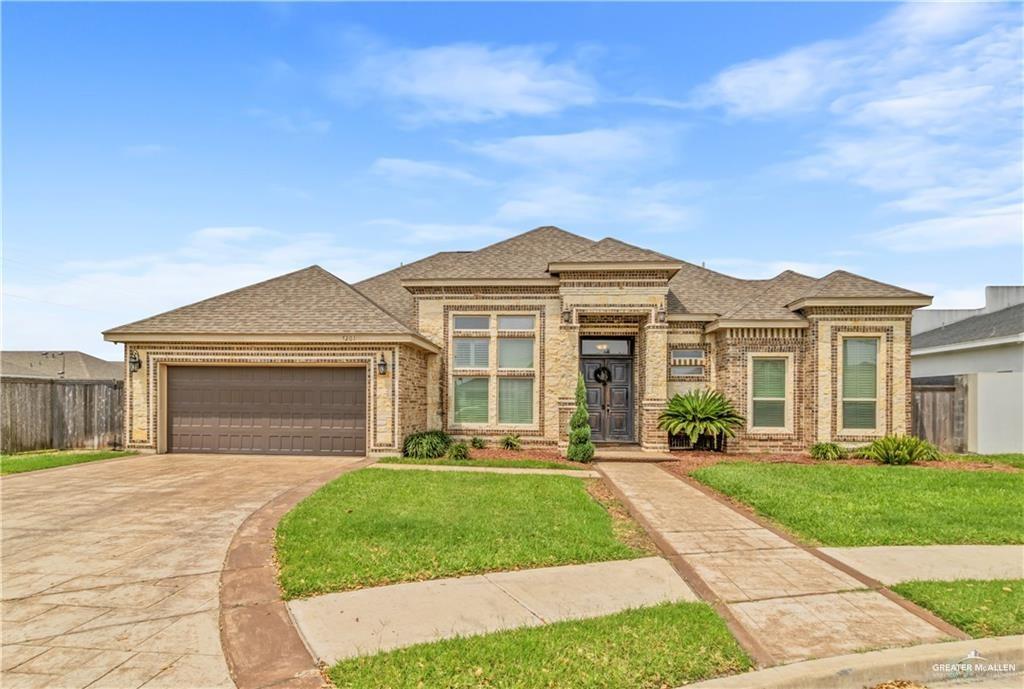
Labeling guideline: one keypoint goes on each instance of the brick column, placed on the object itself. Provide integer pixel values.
(655, 392)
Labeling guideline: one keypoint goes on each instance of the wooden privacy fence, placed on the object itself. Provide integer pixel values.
(39, 414)
(938, 411)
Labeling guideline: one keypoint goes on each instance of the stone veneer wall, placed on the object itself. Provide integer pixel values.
(386, 399)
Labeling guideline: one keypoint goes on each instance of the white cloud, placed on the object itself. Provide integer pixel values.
(983, 228)
(405, 169)
(467, 82)
(753, 269)
(580, 149)
(67, 305)
(416, 233)
(291, 123)
(922, 108)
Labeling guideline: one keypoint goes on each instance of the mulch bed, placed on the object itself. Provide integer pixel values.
(691, 461)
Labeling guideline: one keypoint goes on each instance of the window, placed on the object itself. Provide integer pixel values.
(515, 400)
(609, 347)
(472, 322)
(515, 352)
(860, 382)
(471, 400)
(471, 352)
(687, 370)
(768, 394)
(515, 322)
(687, 353)
(485, 366)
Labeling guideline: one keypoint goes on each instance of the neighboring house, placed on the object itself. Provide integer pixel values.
(489, 342)
(978, 356)
(66, 365)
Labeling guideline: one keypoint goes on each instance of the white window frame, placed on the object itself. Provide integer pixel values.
(787, 398)
(880, 390)
(493, 373)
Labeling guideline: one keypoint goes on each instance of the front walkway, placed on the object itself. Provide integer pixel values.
(792, 604)
(342, 625)
(111, 569)
(893, 564)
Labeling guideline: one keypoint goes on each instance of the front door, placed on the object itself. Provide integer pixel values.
(609, 382)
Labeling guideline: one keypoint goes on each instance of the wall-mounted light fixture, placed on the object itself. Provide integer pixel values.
(382, 366)
(567, 316)
(134, 362)
(662, 316)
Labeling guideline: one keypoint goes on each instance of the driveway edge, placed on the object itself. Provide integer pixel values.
(858, 670)
(260, 642)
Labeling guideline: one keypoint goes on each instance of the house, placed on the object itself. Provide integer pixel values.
(972, 363)
(490, 342)
(60, 365)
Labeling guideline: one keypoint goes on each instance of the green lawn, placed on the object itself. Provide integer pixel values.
(1013, 459)
(980, 608)
(517, 463)
(841, 505)
(663, 646)
(371, 527)
(14, 464)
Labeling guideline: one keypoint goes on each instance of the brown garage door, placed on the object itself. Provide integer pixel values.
(275, 410)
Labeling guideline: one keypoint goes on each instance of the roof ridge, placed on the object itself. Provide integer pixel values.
(827, 280)
(530, 232)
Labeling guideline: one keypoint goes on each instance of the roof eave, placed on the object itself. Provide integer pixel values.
(723, 323)
(562, 266)
(479, 282)
(969, 344)
(274, 338)
(912, 301)
(690, 317)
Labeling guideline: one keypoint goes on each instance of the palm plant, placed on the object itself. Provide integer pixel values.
(700, 413)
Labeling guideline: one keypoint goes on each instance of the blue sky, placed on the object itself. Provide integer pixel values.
(155, 154)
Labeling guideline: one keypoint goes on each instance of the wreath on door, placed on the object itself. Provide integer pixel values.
(602, 374)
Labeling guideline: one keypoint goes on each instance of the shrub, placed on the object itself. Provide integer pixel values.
(510, 442)
(581, 449)
(700, 413)
(827, 452)
(901, 449)
(477, 443)
(858, 452)
(458, 451)
(426, 444)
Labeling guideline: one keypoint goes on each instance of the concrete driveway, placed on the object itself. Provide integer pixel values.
(111, 569)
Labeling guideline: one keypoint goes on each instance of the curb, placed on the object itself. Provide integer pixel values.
(259, 639)
(859, 670)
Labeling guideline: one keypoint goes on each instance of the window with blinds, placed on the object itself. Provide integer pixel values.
(515, 352)
(768, 395)
(471, 400)
(515, 400)
(860, 382)
(471, 352)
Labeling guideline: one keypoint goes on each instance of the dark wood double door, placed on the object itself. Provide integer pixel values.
(609, 383)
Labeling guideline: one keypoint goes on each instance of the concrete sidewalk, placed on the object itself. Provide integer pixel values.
(793, 605)
(892, 564)
(342, 625)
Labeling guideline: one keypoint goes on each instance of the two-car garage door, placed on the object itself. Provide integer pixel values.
(272, 410)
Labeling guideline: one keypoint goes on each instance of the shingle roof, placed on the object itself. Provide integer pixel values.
(76, 365)
(840, 283)
(309, 301)
(770, 299)
(1003, 323)
(609, 250)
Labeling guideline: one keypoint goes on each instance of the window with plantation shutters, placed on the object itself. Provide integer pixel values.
(515, 400)
(471, 400)
(860, 382)
(515, 352)
(768, 382)
(471, 352)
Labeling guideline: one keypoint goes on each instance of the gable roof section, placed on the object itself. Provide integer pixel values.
(840, 284)
(1005, 323)
(307, 302)
(611, 251)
